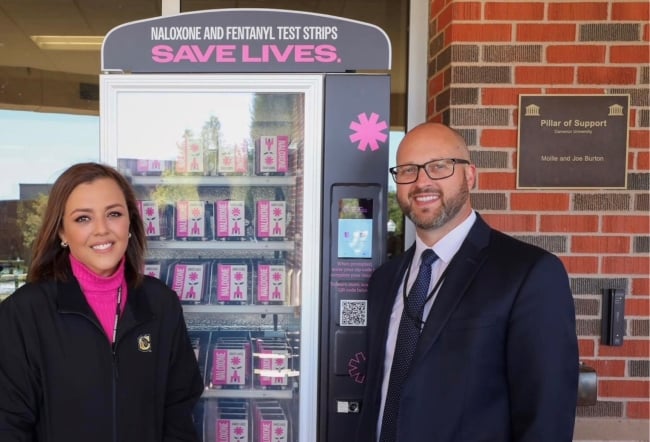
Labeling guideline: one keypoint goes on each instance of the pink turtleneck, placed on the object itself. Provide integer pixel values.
(101, 292)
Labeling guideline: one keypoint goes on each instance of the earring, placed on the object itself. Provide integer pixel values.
(129, 234)
(64, 244)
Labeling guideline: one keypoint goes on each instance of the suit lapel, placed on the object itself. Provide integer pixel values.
(460, 273)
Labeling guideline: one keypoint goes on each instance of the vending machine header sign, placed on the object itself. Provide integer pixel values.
(245, 40)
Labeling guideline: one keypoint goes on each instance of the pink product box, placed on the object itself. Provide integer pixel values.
(188, 281)
(271, 219)
(229, 367)
(272, 428)
(271, 284)
(233, 159)
(150, 213)
(152, 269)
(151, 167)
(273, 365)
(232, 283)
(226, 342)
(272, 155)
(230, 219)
(191, 222)
(232, 429)
(190, 157)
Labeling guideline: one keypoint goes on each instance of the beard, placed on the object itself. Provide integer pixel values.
(429, 220)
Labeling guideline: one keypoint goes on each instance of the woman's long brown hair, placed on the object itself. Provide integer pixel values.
(50, 260)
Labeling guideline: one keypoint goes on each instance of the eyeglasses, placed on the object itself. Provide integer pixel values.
(436, 170)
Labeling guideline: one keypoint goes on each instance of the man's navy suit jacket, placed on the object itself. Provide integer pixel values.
(497, 359)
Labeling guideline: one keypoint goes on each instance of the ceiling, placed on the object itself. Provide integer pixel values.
(56, 80)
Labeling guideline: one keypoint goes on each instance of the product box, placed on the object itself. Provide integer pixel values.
(271, 219)
(153, 269)
(191, 157)
(230, 220)
(232, 428)
(194, 220)
(189, 281)
(270, 422)
(233, 159)
(152, 167)
(273, 365)
(231, 282)
(271, 283)
(229, 366)
(272, 155)
(157, 219)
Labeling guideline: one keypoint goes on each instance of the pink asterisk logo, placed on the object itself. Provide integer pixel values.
(368, 131)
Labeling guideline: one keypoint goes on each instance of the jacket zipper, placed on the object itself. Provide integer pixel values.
(113, 355)
(118, 305)
(115, 376)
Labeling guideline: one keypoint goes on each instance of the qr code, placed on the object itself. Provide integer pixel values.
(354, 313)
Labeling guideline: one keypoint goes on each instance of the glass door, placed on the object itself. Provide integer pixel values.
(226, 169)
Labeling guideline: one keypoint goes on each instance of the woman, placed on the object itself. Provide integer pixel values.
(90, 348)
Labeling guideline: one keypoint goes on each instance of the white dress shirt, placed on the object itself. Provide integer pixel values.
(446, 248)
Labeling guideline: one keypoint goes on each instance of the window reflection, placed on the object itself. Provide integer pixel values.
(35, 148)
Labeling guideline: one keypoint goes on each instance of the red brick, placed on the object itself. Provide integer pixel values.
(545, 32)
(497, 180)
(606, 75)
(623, 388)
(641, 286)
(436, 7)
(498, 138)
(607, 367)
(478, 33)
(543, 75)
(600, 244)
(569, 223)
(639, 138)
(436, 84)
(586, 347)
(632, 11)
(573, 90)
(637, 307)
(626, 265)
(508, 11)
(576, 54)
(638, 410)
(511, 223)
(444, 18)
(626, 224)
(643, 161)
(629, 54)
(501, 95)
(585, 265)
(539, 201)
(631, 348)
(632, 120)
(466, 10)
(577, 11)
(630, 160)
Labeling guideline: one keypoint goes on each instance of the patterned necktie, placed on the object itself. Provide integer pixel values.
(407, 338)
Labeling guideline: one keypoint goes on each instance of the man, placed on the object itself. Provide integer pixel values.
(495, 354)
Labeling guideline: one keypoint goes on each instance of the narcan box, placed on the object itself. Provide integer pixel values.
(271, 217)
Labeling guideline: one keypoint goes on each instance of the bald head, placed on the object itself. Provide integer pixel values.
(440, 140)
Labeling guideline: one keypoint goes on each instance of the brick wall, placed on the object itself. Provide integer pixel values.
(482, 55)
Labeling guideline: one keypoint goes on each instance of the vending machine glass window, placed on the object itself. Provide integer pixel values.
(226, 171)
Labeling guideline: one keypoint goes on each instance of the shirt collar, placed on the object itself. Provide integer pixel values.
(449, 244)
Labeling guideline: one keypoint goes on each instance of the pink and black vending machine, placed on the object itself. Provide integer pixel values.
(257, 143)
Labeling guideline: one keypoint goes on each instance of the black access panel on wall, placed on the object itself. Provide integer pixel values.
(354, 238)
